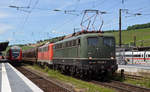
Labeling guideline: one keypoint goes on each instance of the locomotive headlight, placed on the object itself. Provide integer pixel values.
(90, 57)
(112, 57)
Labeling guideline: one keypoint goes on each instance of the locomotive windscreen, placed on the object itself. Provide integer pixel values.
(101, 47)
(108, 41)
(15, 52)
(92, 41)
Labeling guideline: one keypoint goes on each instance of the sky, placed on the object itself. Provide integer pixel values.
(36, 20)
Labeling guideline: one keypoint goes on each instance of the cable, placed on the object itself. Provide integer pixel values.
(77, 3)
(37, 1)
(109, 8)
(123, 4)
(94, 2)
(66, 22)
(28, 14)
(98, 4)
(44, 9)
(27, 17)
(30, 1)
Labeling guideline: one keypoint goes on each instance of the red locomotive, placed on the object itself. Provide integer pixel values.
(45, 53)
(1, 56)
(14, 54)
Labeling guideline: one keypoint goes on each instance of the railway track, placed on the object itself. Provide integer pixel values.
(49, 86)
(122, 87)
(135, 77)
(43, 82)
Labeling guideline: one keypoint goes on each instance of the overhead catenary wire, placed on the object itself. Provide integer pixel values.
(27, 17)
(78, 1)
(100, 3)
(94, 2)
(66, 22)
(109, 9)
(77, 4)
(123, 2)
(30, 1)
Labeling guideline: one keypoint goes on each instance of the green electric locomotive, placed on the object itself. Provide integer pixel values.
(86, 55)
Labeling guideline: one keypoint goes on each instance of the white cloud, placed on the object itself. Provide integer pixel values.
(4, 28)
(56, 32)
(3, 15)
(10, 39)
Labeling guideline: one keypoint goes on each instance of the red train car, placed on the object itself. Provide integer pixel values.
(14, 54)
(45, 53)
(1, 56)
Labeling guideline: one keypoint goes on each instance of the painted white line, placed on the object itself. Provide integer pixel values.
(5, 82)
(30, 84)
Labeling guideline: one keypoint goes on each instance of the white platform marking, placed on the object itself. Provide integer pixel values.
(5, 82)
(31, 85)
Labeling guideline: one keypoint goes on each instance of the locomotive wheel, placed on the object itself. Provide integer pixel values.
(62, 70)
(44, 65)
(77, 75)
(55, 67)
(68, 70)
(71, 71)
(89, 74)
(81, 74)
(104, 76)
(86, 75)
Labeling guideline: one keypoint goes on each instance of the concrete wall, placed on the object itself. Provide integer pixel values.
(135, 70)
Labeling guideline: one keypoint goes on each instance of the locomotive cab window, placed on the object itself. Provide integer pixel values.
(15, 50)
(92, 41)
(67, 44)
(74, 43)
(78, 41)
(108, 41)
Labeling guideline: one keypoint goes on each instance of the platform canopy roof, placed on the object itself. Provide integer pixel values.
(3, 45)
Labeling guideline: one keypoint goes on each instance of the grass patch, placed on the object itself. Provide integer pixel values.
(78, 84)
(128, 36)
(145, 82)
(26, 47)
(118, 78)
(142, 83)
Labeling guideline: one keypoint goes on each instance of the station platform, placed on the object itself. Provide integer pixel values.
(134, 69)
(14, 81)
